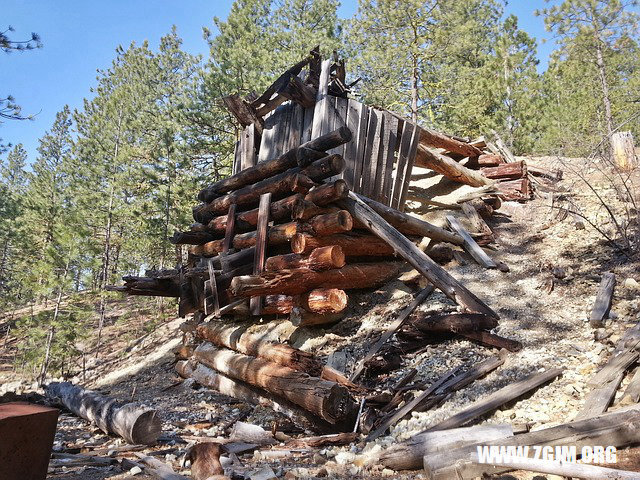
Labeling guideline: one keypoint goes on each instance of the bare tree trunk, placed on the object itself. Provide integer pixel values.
(107, 242)
(414, 90)
(606, 101)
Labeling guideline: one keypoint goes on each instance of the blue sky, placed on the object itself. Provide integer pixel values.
(80, 36)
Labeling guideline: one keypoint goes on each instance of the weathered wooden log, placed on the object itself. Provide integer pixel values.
(505, 170)
(243, 111)
(492, 340)
(440, 253)
(237, 339)
(452, 322)
(299, 92)
(319, 300)
(328, 400)
(236, 389)
(352, 244)
(561, 469)
(193, 237)
(624, 151)
(156, 287)
(278, 304)
(302, 318)
(265, 170)
(619, 428)
(489, 160)
(331, 223)
(427, 158)
(137, 425)
(325, 300)
(514, 190)
(278, 235)
(328, 193)
(321, 258)
(410, 225)
(279, 185)
(298, 281)
(408, 455)
(412, 254)
(247, 221)
(439, 140)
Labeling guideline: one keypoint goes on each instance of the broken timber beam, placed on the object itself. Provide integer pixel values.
(603, 300)
(447, 166)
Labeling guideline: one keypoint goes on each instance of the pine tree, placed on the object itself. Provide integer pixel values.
(592, 32)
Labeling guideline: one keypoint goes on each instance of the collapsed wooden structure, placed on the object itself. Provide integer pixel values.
(314, 209)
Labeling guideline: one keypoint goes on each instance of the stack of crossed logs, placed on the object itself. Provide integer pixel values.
(313, 251)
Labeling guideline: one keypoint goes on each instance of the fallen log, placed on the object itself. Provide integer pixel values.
(137, 425)
(563, 469)
(514, 190)
(618, 429)
(153, 287)
(237, 339)
(193, 237)
(265, 170)
(440, 140)
(298, 281)
(236, 389)
(506, 170)
(331, 223)
(489, 160)
(452, 322)
(301, 318)
(278, 185)
(427, 158)
(277, 235)
(328, 193)
(412, 254)
(321, 258)
(489, 339)
(353, 244)
(324, 300)
(328, 400)
(409, 454)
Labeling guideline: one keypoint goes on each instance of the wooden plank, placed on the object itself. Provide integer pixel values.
(409, 406)
(391, 133)
(496, 399)
(603, 300)
(404, 247)
(406, 138)
(340, 120)
(295, 128)
(633, 389)
(282, 138)
(413, 151)
(393, 328)
(307, 124)
(470, 244)
(354, 123)
(230, 229)
(320, 113)
(237, 156)
(598, 399)
(372, 151)
(616, 364)
(248, 156)
(255, 304)
(211, 303)
(268, 137)
(362, 134)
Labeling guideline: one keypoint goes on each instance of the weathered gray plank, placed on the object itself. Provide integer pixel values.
(361, 117)
(255, 304)
(248, 156)
(391, 132)
(603, 300)
(321, 111)
(268, 136)
(403, 160)
(598, 399)
(413, 149)
(470, 244)
(371, 153)
(307, 125)
(295, 128)
(237, 155)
